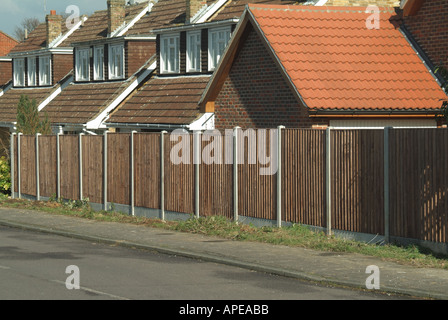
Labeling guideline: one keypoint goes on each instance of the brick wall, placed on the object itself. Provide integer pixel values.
(137, 54)
(255, 94)
(6, 44)
(62, 64)
(430, 29)
(5, 72)
(364, 3)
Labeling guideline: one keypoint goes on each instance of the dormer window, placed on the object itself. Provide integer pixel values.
(32, 79)
(19, 72)
(44, 71)
(98, 67)
(169, 54)
(116, 61)
(194, 51)
(82, 64)
(217, 41)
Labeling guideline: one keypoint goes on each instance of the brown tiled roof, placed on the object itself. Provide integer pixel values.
(163, 101)
(164, 13)
(235, 8)
(80, 103)
(37, 39)
(10, 99)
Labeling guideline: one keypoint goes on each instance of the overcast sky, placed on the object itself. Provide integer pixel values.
(12, 12)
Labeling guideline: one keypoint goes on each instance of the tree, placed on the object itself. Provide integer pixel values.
(29, 24)
(28, 119)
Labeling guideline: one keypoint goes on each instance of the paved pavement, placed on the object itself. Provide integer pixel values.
(344, 269)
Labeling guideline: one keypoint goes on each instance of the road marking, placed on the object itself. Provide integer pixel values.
(96, 291)
(5, 268)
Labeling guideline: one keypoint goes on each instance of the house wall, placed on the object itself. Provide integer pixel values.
(430, 29)
(137, 54)
(62, 64)
(5, 72)
(6, 44)
(256, 95)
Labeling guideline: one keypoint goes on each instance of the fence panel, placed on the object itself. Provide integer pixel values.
(147, 170)
(357, 175)
(118, 168)
(69, 151)
(179, 177)
(216, 181)
(48, 166)
(256, 192)
(92, 168)
(28, 164)
(303, 176)
(419, 184)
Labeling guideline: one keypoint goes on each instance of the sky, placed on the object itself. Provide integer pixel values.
(12, 12)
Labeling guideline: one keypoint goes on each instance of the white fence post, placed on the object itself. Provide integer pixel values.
(132, 174)
(37, 168)
(19, 184)
(105, 170)
(80, 166)
(197, 161)
(12, 167)
(58, 166)
(235, 174)
(162, 175)
(279, 176)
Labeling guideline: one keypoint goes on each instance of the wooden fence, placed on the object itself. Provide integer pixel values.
(391, 182)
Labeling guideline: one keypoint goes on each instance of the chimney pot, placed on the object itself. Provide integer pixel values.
(53, 12)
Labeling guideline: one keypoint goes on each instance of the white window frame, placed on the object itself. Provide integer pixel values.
(194, 51)
(32, 71)
(19, 72)
(215, 53)
(82, 69)
(170, 53)
(98, 63)
(116, 65)
(45, 71)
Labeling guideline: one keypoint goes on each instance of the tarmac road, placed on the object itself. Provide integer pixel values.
(33, 266)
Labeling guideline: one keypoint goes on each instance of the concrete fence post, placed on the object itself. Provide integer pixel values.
(12, 167)
(132, 167)
(162, 175)
(19, 183)
(235, 174)
(37, 168)
(105, 171)
(197, 163)
(58, 166)
(386, 185)
(279, 176)
(328, 178)
(80, 167)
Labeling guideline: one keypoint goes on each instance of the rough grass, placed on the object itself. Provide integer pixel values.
(218, 226)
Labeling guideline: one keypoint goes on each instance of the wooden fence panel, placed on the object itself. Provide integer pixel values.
(48, 166)
(147, 170)
(303, 176)
(257, 193)
(118, 168)
(357, 175)
(216, 181)
(92, 168)
(419, 184)
(69, 151)
(179, 178)
(28, 164)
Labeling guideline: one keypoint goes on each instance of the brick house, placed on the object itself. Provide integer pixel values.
(7, 43)
(427, 20)
(287, 65)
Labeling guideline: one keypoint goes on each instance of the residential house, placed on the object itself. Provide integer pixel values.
(288, 65)
(113, 64)
(41, 66)
(187, 56)
(7, 43)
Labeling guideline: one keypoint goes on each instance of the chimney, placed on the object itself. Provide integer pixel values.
(193, 7)
(116, 14)
(54, 26)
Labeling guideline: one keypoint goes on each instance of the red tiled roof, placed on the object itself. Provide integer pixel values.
(337, 63)
(163, 101)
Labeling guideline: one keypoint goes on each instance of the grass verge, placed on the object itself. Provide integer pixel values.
(296, 235)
